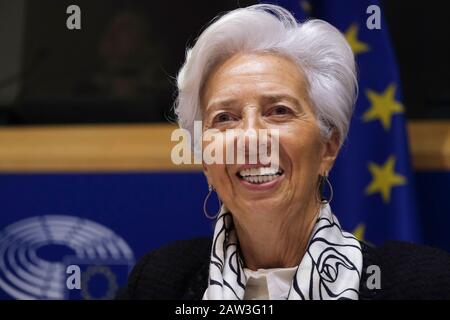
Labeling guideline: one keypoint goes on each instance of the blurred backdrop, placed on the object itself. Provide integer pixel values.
(85, 124)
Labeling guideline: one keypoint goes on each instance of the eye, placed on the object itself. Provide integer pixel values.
(279, 111)
(224, 117)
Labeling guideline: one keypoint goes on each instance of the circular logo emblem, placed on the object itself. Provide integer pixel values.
(27, 272)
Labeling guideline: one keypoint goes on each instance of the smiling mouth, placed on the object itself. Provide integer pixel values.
(259, 175)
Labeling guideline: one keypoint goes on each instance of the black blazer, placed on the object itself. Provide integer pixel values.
(179, 271)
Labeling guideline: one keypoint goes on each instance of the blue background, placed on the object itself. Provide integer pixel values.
(151, 209)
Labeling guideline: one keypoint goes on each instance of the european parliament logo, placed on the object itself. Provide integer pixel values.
(35, 254)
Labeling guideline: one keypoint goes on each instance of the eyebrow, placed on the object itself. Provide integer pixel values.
(273, 98)
(221, 103)
(266, 98)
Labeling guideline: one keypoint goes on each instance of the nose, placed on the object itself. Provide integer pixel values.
(251, 117)
(255, 142)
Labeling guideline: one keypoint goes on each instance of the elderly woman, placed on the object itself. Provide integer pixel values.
(276, 236)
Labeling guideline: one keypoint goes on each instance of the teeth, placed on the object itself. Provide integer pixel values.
(261, 171)
(260, 179)
(260, 174)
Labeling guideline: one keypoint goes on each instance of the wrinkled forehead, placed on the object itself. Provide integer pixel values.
(256, 71)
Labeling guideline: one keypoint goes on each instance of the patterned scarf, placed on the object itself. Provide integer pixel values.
(330, 268)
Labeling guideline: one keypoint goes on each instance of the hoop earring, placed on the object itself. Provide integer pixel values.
(211, 189)
(322, 180)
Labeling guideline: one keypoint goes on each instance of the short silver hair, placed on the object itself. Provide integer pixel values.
(318, 48)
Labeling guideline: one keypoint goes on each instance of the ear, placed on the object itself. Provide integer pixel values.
(331, 150)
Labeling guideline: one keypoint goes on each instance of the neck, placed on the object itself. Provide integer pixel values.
(271, 243)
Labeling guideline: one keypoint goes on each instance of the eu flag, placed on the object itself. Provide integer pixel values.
(372, 178)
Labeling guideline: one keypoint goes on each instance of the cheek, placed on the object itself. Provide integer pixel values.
(222, 182)
(303, 150)
(218, 173)
(214, 158)
(220, 179)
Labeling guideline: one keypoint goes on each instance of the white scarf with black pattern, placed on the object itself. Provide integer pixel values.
(330, 268)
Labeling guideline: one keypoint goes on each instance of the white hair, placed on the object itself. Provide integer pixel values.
(317, 47)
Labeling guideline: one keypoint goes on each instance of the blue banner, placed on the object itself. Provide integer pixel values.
(374, 193)
(55, 225)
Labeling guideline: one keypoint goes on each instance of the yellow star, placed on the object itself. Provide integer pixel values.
(384, 178)
(352, 38)
(359, 231)
(306, 6)
(382, 106)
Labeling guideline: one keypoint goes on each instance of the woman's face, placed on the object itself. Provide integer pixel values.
(266, 91)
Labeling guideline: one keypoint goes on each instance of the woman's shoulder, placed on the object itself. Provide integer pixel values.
(169, 272)
(409, 271)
